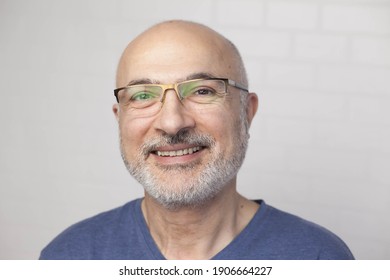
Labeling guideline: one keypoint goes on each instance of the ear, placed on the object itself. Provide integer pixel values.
(115, 109)
(252, 105)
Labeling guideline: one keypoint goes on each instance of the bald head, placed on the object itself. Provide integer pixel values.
(173, 50)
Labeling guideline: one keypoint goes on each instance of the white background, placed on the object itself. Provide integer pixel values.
(320, 144)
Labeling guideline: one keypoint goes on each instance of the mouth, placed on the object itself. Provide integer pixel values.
(178, 153)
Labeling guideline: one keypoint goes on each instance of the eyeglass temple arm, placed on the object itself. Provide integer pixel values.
(237, 85)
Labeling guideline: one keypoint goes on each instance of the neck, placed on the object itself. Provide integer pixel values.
(198, 232)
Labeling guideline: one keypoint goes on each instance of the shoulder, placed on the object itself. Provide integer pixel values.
(83, 239)
(299, 238)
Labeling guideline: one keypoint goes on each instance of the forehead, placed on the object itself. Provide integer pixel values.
(170, 54)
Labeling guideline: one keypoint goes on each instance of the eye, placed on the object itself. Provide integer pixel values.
(201, 91)
(204, 91)
(143, 96)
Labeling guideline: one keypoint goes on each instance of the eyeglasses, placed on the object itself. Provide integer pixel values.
(198, 91)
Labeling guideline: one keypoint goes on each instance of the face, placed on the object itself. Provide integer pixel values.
(182, 155)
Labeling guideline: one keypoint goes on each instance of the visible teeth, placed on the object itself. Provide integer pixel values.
(178, 152)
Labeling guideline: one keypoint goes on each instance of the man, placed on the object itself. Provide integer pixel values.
(184, 111)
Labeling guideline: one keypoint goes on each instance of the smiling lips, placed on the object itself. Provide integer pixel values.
(178, 152)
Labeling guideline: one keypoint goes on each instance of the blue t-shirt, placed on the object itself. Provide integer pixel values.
(122, 233)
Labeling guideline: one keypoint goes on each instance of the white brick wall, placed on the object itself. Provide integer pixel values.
(356, 18)
(371, 50)
(354, 79)
(292, 15)
(324, 47)
(319, 145)
(229, 13)
(296, 75)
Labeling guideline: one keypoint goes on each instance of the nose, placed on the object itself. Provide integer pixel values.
(173, 116)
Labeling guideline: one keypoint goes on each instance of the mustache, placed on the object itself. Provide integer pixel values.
(182, 137)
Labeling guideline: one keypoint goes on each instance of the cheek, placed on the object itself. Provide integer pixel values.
(223, 127)
(132, 132)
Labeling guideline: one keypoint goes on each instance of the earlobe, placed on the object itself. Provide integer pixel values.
(115, 109)
(253, 103)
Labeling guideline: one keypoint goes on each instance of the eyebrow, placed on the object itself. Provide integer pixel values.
(198, 75)
(141, 81)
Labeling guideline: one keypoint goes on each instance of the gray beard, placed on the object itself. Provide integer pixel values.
(174, 192)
